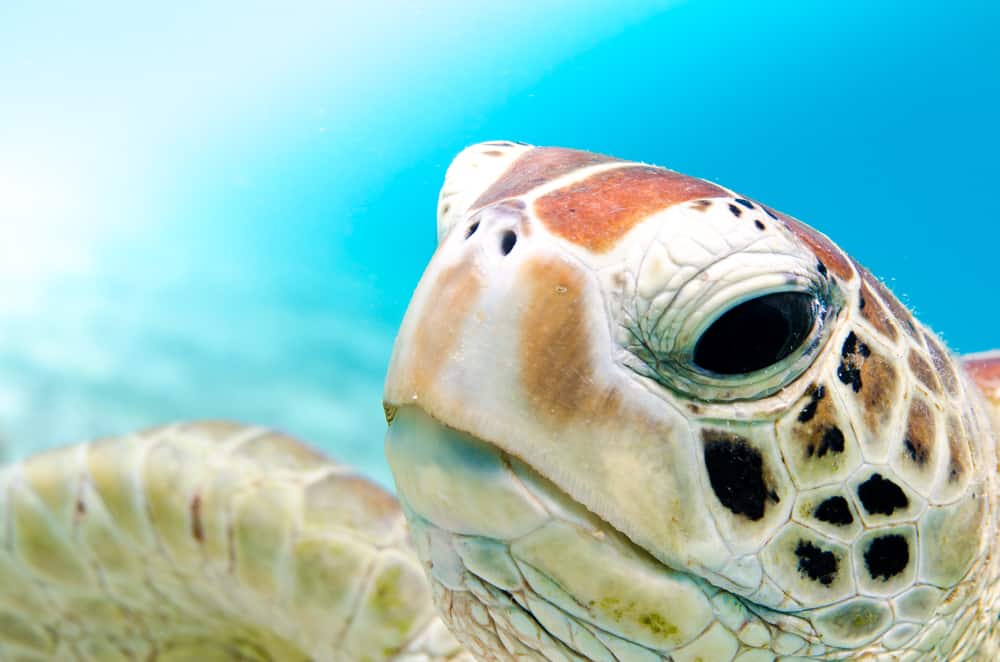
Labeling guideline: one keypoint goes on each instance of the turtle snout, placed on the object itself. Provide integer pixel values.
(496, 229)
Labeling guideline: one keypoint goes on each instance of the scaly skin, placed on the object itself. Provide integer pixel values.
(207, 541)
(838, 500)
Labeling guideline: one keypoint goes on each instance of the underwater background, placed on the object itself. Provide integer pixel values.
(221, 211)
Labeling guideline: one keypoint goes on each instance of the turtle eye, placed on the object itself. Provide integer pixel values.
(756, 334)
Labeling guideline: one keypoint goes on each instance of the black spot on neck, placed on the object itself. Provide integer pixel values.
(821, 268)
(834, 511)
(736, 472)
(760, 226)
(832, 441)
(745, 203)
(816, 394)
(816, 564)
(736, 211)
(880, 496)
(850, 376)
(852, 355)
(854, 346)
(887, 556)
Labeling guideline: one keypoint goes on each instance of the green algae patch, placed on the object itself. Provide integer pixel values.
(853, 623)
(652, 621)
(395, 605)
(328, 576)
(387, 601)
(658, 625)
(15, 630)
(614, 586)
(252, 646)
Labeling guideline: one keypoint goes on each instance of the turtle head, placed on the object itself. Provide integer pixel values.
(632, 412)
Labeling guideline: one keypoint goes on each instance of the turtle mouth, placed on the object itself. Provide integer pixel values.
(512, 556)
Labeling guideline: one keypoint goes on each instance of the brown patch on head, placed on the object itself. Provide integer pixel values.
(898, 310)
(878, 395)
(918, 442)
(985, 368)
(824, 249)
(985, 371)
(873, 311)
(923, 371)
(556, 341)
(872, 378)
(816, 427)
(958, 450)
(596, 212)
(942, 364)
(440, 325)
(534, 168)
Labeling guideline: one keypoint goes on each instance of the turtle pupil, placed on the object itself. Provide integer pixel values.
(756, 333)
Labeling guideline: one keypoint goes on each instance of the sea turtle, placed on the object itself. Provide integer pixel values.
(632, 416)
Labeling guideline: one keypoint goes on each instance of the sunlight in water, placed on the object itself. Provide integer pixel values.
(46, 215)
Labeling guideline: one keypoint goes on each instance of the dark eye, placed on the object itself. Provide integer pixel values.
(756, 333)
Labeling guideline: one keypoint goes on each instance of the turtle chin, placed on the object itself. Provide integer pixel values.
(518, 566)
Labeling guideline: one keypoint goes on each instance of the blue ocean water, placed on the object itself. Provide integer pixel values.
(221, 211)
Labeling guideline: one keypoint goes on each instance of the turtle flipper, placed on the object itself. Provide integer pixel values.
(984, 368)
(207, 541)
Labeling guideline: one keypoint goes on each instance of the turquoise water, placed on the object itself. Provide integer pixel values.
(221, 212)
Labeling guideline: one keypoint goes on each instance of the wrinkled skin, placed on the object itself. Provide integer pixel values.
(603, 455)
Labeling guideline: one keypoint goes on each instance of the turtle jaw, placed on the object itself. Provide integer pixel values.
(513, 559)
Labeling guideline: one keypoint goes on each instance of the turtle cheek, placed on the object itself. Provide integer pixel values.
(455, 481)
(507, 551)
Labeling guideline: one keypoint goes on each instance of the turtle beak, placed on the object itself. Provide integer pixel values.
(390, 412)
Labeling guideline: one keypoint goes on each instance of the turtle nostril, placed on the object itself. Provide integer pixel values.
(472, 229)
(507, 242)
